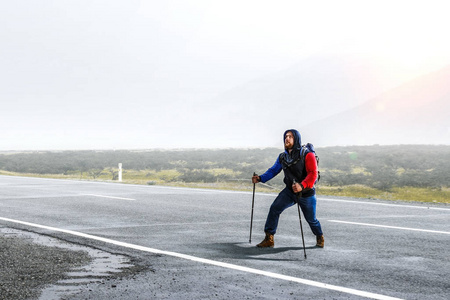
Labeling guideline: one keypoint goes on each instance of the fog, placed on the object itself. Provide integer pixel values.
(168, 74)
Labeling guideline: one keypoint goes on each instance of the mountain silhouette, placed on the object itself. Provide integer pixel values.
(417, 112)
(257, 113)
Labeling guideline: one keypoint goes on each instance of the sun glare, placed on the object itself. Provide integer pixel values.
(380, 106)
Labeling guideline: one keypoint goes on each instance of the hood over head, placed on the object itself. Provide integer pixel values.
(297, 138)
(296, 149)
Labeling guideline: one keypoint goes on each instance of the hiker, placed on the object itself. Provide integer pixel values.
(301, 170)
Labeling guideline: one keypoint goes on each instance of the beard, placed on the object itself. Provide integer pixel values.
(288, 146)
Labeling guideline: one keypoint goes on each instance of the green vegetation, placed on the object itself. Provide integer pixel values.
(396, 193)
(416, 173)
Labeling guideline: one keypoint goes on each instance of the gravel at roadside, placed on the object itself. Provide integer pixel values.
(26, 267)
(34, 266)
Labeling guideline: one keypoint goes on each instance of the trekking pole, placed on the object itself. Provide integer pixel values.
(300, 218)
(253, 205)
(301, 228)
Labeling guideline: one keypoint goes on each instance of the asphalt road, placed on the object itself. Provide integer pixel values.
(196, 242)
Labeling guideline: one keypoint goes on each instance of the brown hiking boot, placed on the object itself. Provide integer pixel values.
(320, 241)
(267, 242)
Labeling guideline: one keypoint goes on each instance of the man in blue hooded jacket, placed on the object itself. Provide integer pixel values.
(300, 175)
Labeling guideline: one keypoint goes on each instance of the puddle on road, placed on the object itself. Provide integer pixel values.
(102, 266)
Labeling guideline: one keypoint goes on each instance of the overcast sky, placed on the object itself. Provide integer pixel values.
(133, 74)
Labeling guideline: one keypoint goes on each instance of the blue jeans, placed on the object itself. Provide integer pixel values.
(286, 199)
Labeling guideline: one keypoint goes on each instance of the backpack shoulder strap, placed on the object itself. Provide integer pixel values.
(303, 152)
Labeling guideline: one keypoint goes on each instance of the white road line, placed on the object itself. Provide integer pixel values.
(391, 227)
(210, 262)
(111, 197)
(383, 204)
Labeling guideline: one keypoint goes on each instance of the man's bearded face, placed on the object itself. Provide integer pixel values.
(289, 141)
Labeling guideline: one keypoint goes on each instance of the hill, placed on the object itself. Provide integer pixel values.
(417, 112)
(313, 89)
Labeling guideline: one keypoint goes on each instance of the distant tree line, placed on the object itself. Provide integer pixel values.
(381, 167)
(386, 166)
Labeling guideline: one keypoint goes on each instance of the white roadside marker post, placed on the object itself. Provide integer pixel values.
(120, 171)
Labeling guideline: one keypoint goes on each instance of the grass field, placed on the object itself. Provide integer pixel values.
(169, 178)
(396, 193)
